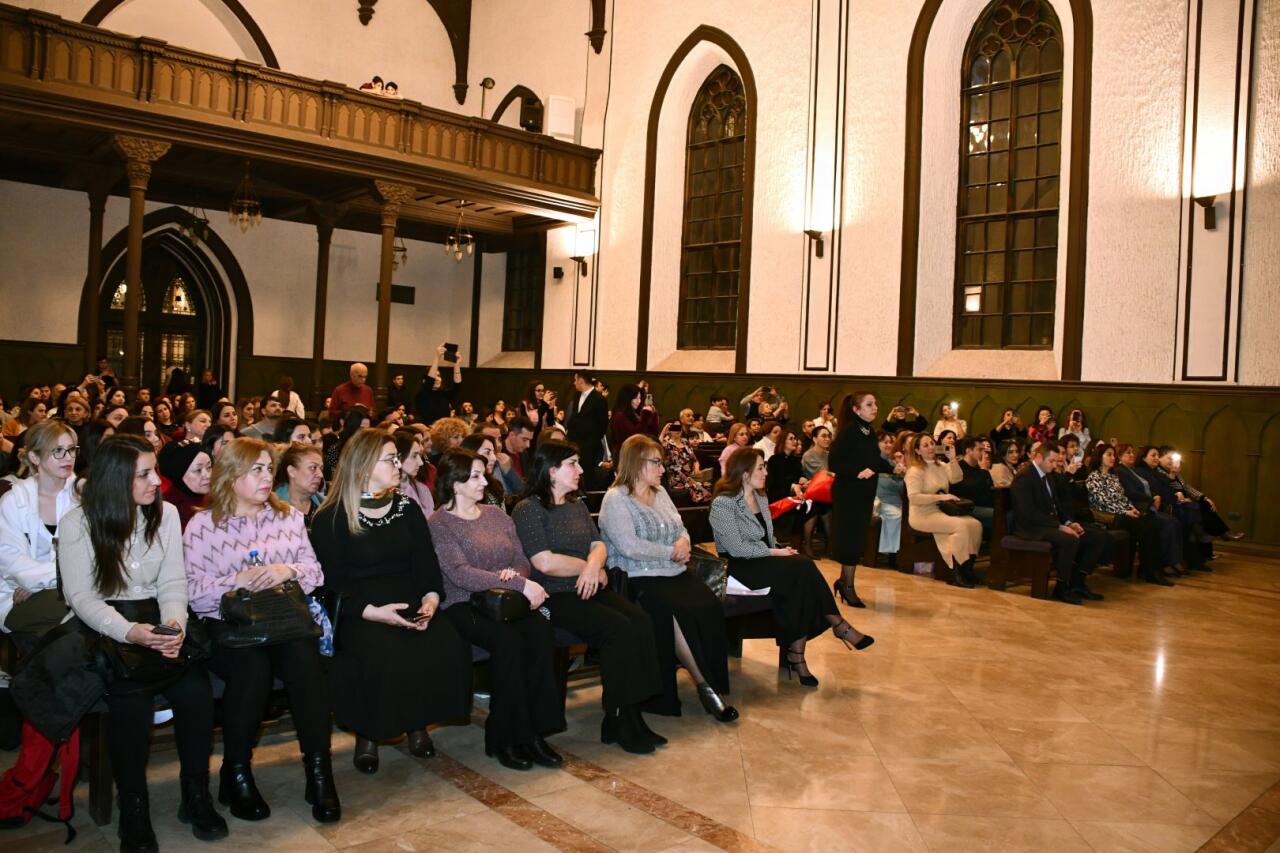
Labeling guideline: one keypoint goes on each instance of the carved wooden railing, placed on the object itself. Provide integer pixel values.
(142, 73)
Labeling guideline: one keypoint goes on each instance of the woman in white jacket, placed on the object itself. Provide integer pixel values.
(29, 517)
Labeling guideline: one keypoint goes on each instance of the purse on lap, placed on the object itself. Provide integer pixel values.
(957, 507)
(266, 617)
(500, 605)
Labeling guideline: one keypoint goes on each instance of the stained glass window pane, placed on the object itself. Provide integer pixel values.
(117, 298)
(177, 300)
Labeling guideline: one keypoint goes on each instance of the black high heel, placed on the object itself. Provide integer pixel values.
(793, 666)
(866, 640)
(848, 596)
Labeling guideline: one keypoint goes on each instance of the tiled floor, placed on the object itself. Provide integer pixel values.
(978, 721)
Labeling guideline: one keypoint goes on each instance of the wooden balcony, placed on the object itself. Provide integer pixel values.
(72, 81)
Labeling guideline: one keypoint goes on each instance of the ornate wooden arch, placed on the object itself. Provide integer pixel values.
(1077, 204)
(102, 8)
(517, 92)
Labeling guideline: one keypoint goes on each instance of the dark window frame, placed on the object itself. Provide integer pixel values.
(522, 299)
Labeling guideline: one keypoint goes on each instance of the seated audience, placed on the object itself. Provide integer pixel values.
(1044, 427)
(486, 447)
(719, 418)
(194, 425)
(215, 439)
(409, 449)
(1076, 426)
(803, 606)
(928, 481)
(1009, 428)
(647, 539)
(145, 427)
(889, 492)
(248, 411)
(91, 437)
(1041, 512)
(787, 480)
(685, 476)
(767, 443)
(479, 550)
(826, 417)
(513, 455)
(555, 432)
(975, 482)
(569, 560)
(398, 667)
(945, 446)
(30, 514)
(299, 479)
(815, 458)
(904, 418)
(164, 417)
(244, 513)
(32, 412)
(1153, 536)
(75, 410)
(353, 420)
(291, 430)
(1212, 524)
(1183, 511)
(120, 560)
(265, 427)
(290, 400)
(115, 415)
(226, 415)
(446, 434)
(187, 471)
(950, 420)
(1002, 472)
(739, 437)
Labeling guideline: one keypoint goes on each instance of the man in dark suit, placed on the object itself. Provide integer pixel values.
(1040, 512)
(588, 420)
(975, 481)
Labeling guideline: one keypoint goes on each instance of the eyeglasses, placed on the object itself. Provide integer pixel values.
(64, 452)
(657, 462)
(393, 459)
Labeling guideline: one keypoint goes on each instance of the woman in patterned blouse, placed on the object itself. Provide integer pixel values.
(1106, 495)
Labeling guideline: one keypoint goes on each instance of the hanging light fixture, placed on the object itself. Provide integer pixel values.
(197, 230)
(245, 210)
(459, 242)
(399, 254)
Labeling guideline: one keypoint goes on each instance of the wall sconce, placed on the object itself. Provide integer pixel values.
(557, 273)
(581, 260)
(1209, 203)
(816, 236)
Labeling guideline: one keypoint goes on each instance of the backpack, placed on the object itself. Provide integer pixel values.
(25, 787)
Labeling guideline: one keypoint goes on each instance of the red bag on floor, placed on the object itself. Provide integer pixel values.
(25, 787)
(819, 488)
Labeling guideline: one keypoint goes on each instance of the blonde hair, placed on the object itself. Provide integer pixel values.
(234, 462)
(445, 429)
(39, 440)
(910, 450)
(631, 462)
(359, 455)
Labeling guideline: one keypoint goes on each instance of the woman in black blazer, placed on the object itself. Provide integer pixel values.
(855, 461)
(803, 607)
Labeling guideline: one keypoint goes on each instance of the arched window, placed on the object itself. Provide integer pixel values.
(711, 242)
(1010, 161)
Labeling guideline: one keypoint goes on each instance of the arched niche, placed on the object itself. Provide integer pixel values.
(237, 21)
(1226, 466)
(983, 415)
(1172, 425)
(1120, 422)
(1266, 521)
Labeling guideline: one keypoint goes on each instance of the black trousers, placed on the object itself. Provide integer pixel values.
(623, 634)
(249, 673)
(1213, 524)
(524, 701)
(802, 601)
(688, 601)
(131, 706)
(1075, 557)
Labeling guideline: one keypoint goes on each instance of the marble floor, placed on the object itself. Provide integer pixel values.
(978, 721)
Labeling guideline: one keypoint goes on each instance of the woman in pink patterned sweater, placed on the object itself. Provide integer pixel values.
(245, 516)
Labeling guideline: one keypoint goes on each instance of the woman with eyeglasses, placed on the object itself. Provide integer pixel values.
(479, 549)
(30, 513)
(647, 539)
(397, 666)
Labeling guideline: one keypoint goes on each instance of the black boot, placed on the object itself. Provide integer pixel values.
(197, 809)
(321, 793)
(621, 728)
(237, 790)
(966, 574)
(658, 740)
(365, 758)
(136, 834)
(891, 559)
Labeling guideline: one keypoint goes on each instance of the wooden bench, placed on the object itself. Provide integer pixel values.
(916, 547)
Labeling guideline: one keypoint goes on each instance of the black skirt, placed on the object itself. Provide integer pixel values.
(701, 618)
(851, 517)
(802, 601)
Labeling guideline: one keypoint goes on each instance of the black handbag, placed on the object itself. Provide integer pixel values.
(620, 583)
(500, 605)
(957, 507)
(712, 570)
(266, 617)
(133, 662)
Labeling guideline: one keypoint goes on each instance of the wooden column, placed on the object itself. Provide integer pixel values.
(93, 320)
(324, 236)
(393, 195)
(138, 154)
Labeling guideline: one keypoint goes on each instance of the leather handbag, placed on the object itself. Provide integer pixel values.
(711, 569)
(620, 583)
(500, 605)
(957, 507)
(132, 662)
(266, 617)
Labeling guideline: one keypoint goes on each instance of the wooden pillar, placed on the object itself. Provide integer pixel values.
(138, 156)
(93, 320)
(324, 237)
(393, 195)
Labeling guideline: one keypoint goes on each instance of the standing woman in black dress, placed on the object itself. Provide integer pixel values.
(397, 668)
(855, 461)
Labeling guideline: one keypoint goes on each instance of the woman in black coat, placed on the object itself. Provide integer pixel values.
(855, 461)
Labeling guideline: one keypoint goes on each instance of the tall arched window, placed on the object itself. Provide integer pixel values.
(1010, 160)
(711, 242)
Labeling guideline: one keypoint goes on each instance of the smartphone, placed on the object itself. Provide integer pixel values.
(166, 630)
(648, 400)
(450, 353)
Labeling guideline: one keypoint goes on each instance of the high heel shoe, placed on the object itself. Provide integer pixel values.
(791, 662)
(843, 629)
(714, 705)
(849, 596)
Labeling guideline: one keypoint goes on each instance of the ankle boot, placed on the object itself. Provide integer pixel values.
(321, 793)
(136, 834)
(237, 790)
(658, 740)
(197, 809)
(967, 576)
(631, 733)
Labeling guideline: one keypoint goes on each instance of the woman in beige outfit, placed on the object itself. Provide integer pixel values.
(928, 484)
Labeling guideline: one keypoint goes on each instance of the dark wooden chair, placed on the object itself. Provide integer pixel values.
(917, 547)
(1014, 558)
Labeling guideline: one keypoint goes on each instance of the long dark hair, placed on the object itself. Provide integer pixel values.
(352, 419)
(623, 404)
(211, 436)
(845, 417)
(92, 435)
(550, 454)
(739, 463)
(111, 512)
(285, 428)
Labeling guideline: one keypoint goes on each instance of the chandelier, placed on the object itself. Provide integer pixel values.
(197, 230)
(245, 210)
(399, 254)
(459, 241)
